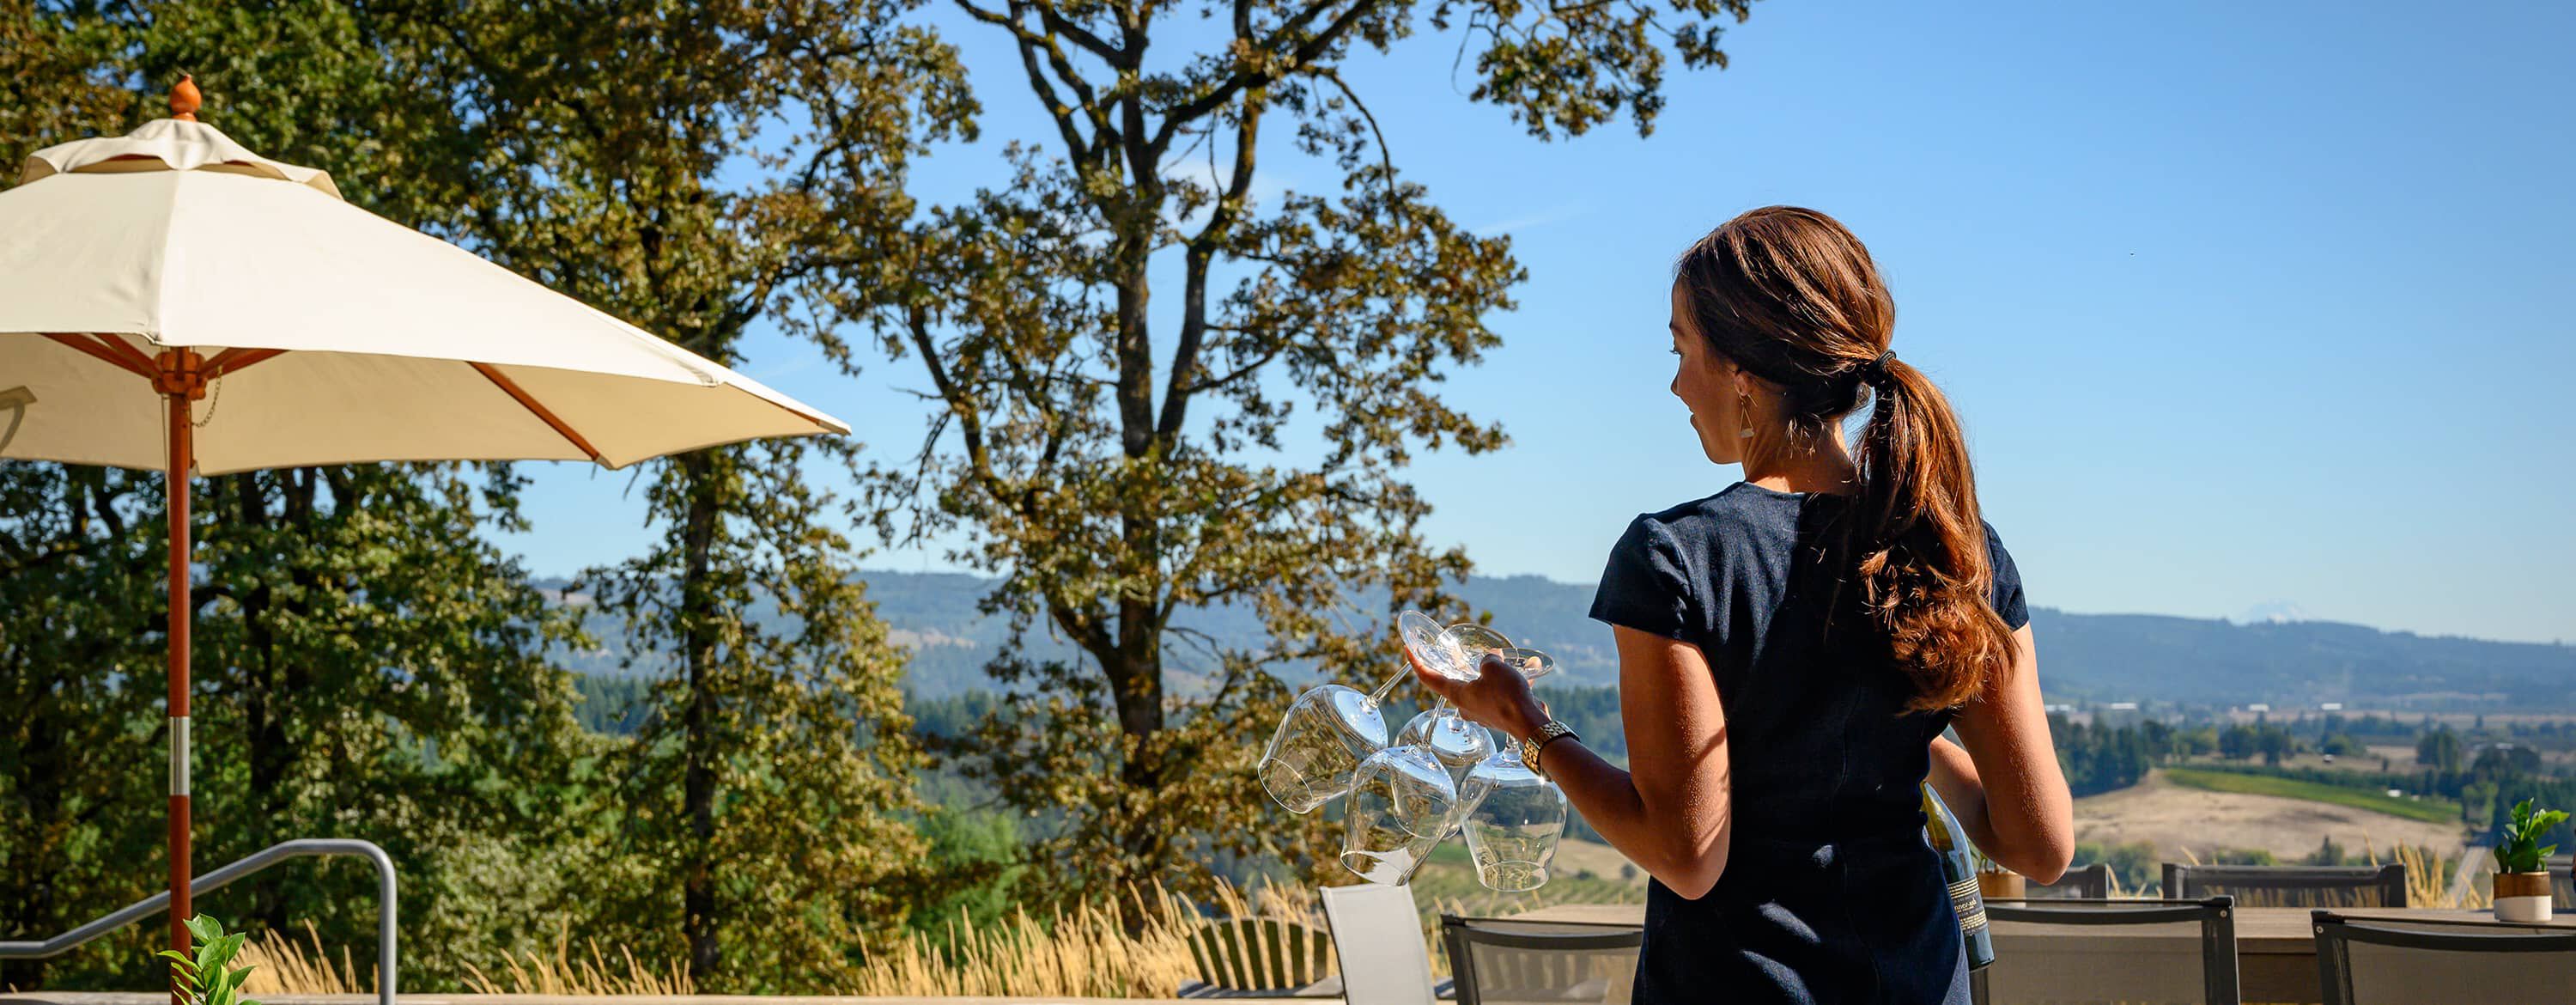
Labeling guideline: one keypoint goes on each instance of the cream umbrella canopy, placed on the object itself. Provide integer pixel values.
(171, 301)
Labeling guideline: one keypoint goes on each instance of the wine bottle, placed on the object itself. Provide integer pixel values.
(1960, 873)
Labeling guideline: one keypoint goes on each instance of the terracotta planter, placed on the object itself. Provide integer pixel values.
(2001, 886)
(2522, 896)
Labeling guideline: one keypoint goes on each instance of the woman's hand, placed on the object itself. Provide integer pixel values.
(1499, 696)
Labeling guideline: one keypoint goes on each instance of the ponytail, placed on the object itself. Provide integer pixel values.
(1791, 296)
(1924, 573)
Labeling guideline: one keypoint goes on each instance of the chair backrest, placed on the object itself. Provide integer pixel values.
(2562, 883)
(1260, 954)
(1377, 933)
(2291, 885)
(2093, 882)
(1498, 960)
(2381, 961)
(2068, 950)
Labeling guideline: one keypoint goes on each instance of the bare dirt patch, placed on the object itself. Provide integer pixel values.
(2173, 818)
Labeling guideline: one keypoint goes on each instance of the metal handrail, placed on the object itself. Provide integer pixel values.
(262, 859)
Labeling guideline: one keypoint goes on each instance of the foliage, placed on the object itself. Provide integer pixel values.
(2136, 868)
(371, 664)
(209, 977)
(979, 853)
(2099, 759)
(692, 169)
(1112, 474)
(2440, 750)
(2518, 847)
(80, 564)
(2272, 741)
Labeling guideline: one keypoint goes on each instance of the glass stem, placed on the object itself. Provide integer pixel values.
(1378, 697)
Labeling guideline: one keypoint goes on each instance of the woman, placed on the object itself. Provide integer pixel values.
(1792, 648)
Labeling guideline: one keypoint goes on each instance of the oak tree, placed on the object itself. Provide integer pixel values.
(1117, 467)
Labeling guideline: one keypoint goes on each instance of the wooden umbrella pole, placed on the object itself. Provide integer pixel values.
(180, 381)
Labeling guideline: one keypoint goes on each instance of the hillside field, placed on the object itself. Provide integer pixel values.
(2184, 822)
(2431, 811)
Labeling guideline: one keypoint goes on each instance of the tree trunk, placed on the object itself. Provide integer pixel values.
(698, 787)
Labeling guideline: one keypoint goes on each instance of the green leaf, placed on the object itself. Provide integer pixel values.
(205, 928)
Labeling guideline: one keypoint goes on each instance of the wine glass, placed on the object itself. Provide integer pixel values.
(1320, 743)
(1513, 822)
(1457, 652)
(1401, 805)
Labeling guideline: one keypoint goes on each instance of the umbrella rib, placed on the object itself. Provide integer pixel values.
(133, 356)
(136, 365)
(529, 402)
(229, 360)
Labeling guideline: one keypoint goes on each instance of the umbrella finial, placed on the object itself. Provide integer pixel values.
(184, 99)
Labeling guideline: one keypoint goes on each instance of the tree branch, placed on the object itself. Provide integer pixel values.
(1296, 62)
(1229, 207)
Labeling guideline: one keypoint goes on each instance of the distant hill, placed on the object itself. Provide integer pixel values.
(2099, 657)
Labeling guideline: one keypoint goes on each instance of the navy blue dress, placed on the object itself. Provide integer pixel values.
(1831, 894)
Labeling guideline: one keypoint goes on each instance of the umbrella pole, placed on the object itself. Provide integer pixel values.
(182, 458)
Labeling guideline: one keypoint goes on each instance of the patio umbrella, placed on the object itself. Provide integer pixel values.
(172, 301)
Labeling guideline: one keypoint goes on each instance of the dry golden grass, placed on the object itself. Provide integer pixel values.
(566, 973)
(284, 966)
(1085, 952)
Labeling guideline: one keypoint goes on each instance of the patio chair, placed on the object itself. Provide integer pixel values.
(2071, 951)
(2291, 885)
(2389, 961)
(2093, 882)
(1256, 958)
(1498, 960)
(1377, 935)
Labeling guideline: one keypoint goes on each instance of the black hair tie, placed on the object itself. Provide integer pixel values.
(1874, 372)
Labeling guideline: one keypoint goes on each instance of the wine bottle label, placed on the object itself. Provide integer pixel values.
(1969, 903)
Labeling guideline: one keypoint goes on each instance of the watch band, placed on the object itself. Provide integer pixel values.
(1538, 741)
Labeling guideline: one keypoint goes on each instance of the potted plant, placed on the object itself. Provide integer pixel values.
(1994, 882)
(211, 977)
(2522, 864)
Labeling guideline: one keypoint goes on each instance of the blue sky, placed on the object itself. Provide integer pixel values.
(2242, 304)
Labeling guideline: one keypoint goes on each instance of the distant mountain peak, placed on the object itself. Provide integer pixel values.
(2272, 612)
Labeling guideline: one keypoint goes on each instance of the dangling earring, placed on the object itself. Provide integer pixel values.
(1744, 414)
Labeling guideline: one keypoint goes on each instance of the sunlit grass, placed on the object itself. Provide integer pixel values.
(2431, 811)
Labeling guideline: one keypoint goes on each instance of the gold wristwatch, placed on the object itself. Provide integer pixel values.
(1539, 740)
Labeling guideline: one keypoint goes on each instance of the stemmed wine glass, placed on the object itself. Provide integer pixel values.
(1458, 743)
(1513, 822)
(1320, 743)
(1457, 652)
(1402, 801)
(1406, 797)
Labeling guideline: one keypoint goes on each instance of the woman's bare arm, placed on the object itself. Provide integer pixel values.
(2005, 785)
(1672, 812)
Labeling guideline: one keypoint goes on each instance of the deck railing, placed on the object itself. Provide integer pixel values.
(262, 859)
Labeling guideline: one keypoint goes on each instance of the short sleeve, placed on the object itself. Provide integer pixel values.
(2007, 596)
(1643, 586)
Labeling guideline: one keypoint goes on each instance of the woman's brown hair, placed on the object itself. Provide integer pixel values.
(1792, 297)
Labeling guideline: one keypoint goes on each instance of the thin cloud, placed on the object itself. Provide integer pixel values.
(1520, 223)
